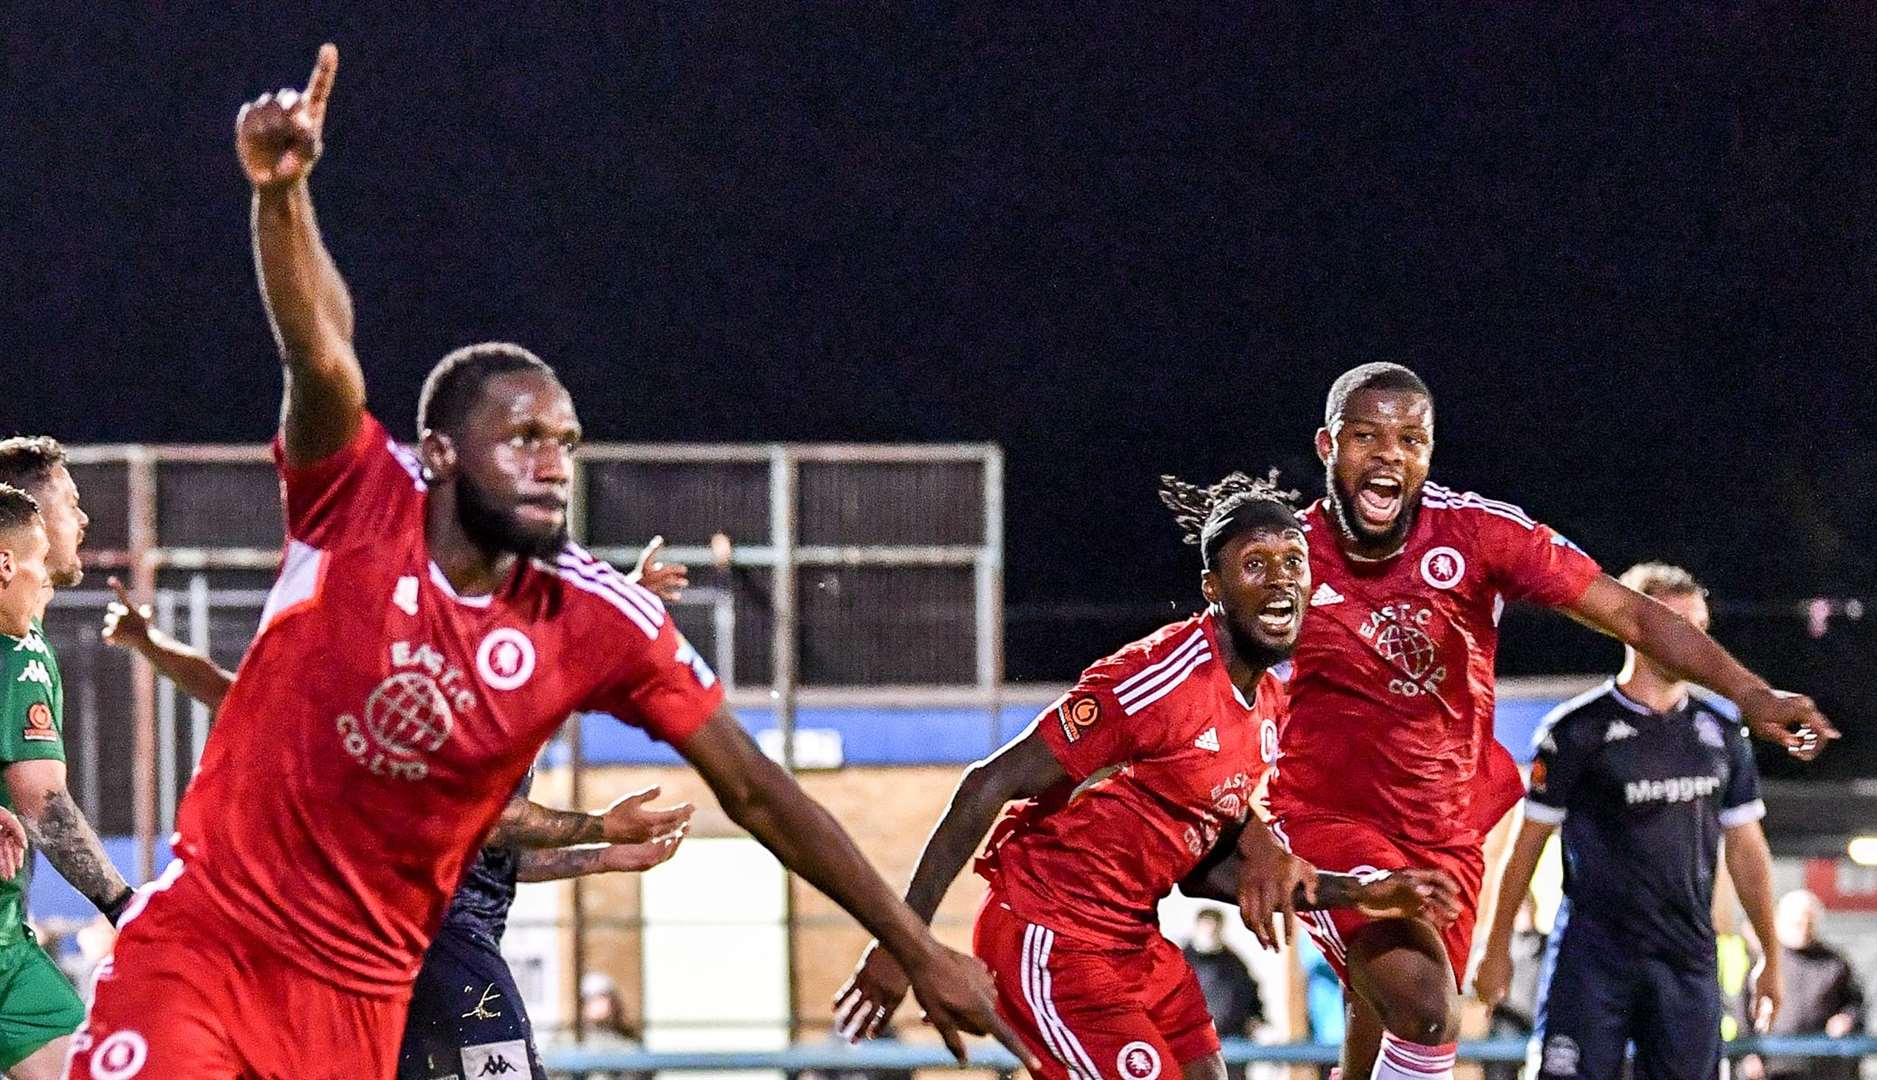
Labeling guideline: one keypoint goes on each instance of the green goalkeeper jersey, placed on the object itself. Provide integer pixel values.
(32, 717)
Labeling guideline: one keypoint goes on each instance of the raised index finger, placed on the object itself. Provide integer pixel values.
(319, 83)
(122, 595)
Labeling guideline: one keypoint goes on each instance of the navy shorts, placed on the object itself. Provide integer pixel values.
(467, 1020)
(1599, 993)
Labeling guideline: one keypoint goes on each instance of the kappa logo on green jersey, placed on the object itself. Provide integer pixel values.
(32, 642)
(35, 671)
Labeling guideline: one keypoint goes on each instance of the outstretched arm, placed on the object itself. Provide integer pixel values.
(1403, 893)
(628, 820)
(563, 863)
(127, 625)
(58, 828)
(277, 137)
(1648, 626)
(955, 989)
(1023, 768)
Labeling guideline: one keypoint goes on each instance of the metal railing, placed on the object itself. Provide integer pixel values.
(892, 1056)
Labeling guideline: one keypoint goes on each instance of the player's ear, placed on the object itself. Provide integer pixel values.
(1325, 444)
(438, 453)
(8, 567)
(1209, 586)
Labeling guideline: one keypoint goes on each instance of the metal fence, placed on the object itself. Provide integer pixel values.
(876, 568)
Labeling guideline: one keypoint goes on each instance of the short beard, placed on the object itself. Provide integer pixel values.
(1390, 539)
(68, 578)
(496, 531)
(1254, 652)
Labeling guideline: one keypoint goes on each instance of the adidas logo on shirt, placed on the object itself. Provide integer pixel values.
(1209, 740)
(1324, 596)
(1619, 731)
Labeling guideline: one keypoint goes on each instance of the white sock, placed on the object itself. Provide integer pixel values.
(1404, 1060)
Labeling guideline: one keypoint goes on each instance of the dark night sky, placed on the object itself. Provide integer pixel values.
(1632, 254)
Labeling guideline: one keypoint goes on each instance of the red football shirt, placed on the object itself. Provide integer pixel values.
(1161, 751)
(379, 721)
(1391, 715)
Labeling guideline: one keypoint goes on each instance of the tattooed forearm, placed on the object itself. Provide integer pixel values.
(525, 824)
(72, 847)
(559, 864)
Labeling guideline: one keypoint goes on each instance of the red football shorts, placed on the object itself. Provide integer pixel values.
(1094, 1012)
(187, 995)
(1351, 847)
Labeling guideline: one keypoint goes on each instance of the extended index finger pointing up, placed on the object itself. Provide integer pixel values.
(319, 83)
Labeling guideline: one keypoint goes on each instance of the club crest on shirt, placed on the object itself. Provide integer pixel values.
(119, 1056)
(1560, 1056)
(505, 658)
(1443, 567)
(1077, 712)
(1709, 732)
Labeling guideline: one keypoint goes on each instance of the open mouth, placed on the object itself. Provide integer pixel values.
(1378, 500)
(1278, 617)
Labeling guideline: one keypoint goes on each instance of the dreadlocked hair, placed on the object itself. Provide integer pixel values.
(1210, 514)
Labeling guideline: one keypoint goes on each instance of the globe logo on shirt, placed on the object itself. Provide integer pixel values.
(409, 714)
(1406, 646)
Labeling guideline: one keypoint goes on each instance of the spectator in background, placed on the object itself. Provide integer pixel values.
(1512, 1016)
(1231, 993)
(604, 1011)
(1822, 994)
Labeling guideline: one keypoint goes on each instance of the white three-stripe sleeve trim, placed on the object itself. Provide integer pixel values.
(608, 578)
(613, 598)
(1174, 680)
(1142, 679)
(1744, 814)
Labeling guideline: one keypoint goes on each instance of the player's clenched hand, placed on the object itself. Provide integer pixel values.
(126, 623)
(1492, 980)
(277, 135)
(868, 1001)
(1789, 720)
(12, 844)
(629, 821)
(1267, 883)
(1766, 996)
(1432, 895)
(957, 994)
(638, 858)
(667, 580)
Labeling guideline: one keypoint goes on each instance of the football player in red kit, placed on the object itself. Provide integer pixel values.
(430, 626)
(1130, 780)
(1389, 757)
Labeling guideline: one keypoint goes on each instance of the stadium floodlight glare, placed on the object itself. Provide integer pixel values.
(1863, 850)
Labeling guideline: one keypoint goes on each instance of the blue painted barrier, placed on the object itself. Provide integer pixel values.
(831, 1056)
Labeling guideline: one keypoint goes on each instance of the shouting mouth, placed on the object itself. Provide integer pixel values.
(1378, 500)
(1278, 617)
